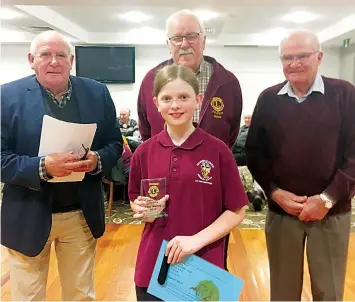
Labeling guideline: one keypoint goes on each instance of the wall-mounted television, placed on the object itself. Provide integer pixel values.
(106, 64)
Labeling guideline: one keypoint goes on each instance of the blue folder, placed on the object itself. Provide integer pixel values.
(194, 279)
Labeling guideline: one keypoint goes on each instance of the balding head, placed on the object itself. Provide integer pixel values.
(301, 55)
(51, 59)
(247, 119)
(125, 114)
(48, 36)
(302, 36)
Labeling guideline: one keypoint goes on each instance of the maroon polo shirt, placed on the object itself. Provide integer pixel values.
(202, 182)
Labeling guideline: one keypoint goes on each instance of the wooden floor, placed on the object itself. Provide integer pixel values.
(117, 250)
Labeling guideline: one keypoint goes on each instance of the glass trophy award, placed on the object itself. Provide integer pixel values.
(154, 189)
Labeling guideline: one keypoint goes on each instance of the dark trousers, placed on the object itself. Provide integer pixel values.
(142, 295)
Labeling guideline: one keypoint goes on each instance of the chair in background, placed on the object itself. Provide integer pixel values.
(112, 184)
(117, 177)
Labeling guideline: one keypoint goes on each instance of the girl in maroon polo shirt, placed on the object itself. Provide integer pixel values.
(206, 197)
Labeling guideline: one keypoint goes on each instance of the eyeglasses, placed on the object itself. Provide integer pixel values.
(191, 38)
(46, 56)
(301, 57)
(83, 152)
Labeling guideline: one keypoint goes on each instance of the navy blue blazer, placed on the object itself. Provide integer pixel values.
(26, 212)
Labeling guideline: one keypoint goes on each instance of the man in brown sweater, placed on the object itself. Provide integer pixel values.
(301, 150)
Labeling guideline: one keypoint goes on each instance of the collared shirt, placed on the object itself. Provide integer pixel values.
(61, 104)
(211, 177)
(317, 86)
(65, 97)
(204, 73)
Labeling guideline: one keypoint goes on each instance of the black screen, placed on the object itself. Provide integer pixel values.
(106, 64)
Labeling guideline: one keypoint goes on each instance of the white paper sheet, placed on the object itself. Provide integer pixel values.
(58, 136)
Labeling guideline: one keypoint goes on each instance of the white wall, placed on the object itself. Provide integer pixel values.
(347, 64)
(256, 68)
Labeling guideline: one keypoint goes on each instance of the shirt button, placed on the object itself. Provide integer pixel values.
(174, 170)
(175, 158)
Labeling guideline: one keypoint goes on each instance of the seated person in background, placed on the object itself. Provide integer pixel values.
(129, 129)
(254, 192)
(126, 158)
(120, 172)
(128, 126)
(238, 147)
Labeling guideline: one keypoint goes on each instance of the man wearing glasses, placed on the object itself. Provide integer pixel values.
(301, 150)
(36, 212)
(221, 109)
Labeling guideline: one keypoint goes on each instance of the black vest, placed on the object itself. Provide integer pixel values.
(63, 195)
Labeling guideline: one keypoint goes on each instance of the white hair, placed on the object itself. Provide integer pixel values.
(47, 35)
(180, 13)
(126, 110)
(306, 35)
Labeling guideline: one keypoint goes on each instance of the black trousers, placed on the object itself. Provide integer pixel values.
(142, 295)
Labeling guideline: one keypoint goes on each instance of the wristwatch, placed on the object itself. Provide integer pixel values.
(328, 202)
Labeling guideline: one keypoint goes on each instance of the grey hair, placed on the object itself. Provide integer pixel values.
(184, 12)
(126, 109)
(306, 35)
(45, 35)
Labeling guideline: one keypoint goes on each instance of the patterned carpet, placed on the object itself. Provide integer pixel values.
(122, 214)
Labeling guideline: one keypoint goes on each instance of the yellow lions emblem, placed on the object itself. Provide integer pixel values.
(153, 191)
(217, 104)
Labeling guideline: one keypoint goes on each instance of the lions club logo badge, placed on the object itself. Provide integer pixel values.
(153, 191)
(217, 107)
(217, 104)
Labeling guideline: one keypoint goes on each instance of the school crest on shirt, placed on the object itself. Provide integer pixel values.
(153, 190)
(217, 106)
(204, 174)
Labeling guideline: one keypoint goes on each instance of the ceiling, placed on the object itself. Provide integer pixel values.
(244, 23)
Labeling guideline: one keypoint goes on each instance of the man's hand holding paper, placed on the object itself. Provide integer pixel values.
(88, 164)
(67, 159)
(59, 164)
(64, 163)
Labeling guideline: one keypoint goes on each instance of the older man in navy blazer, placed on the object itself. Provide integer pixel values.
(36, 212)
